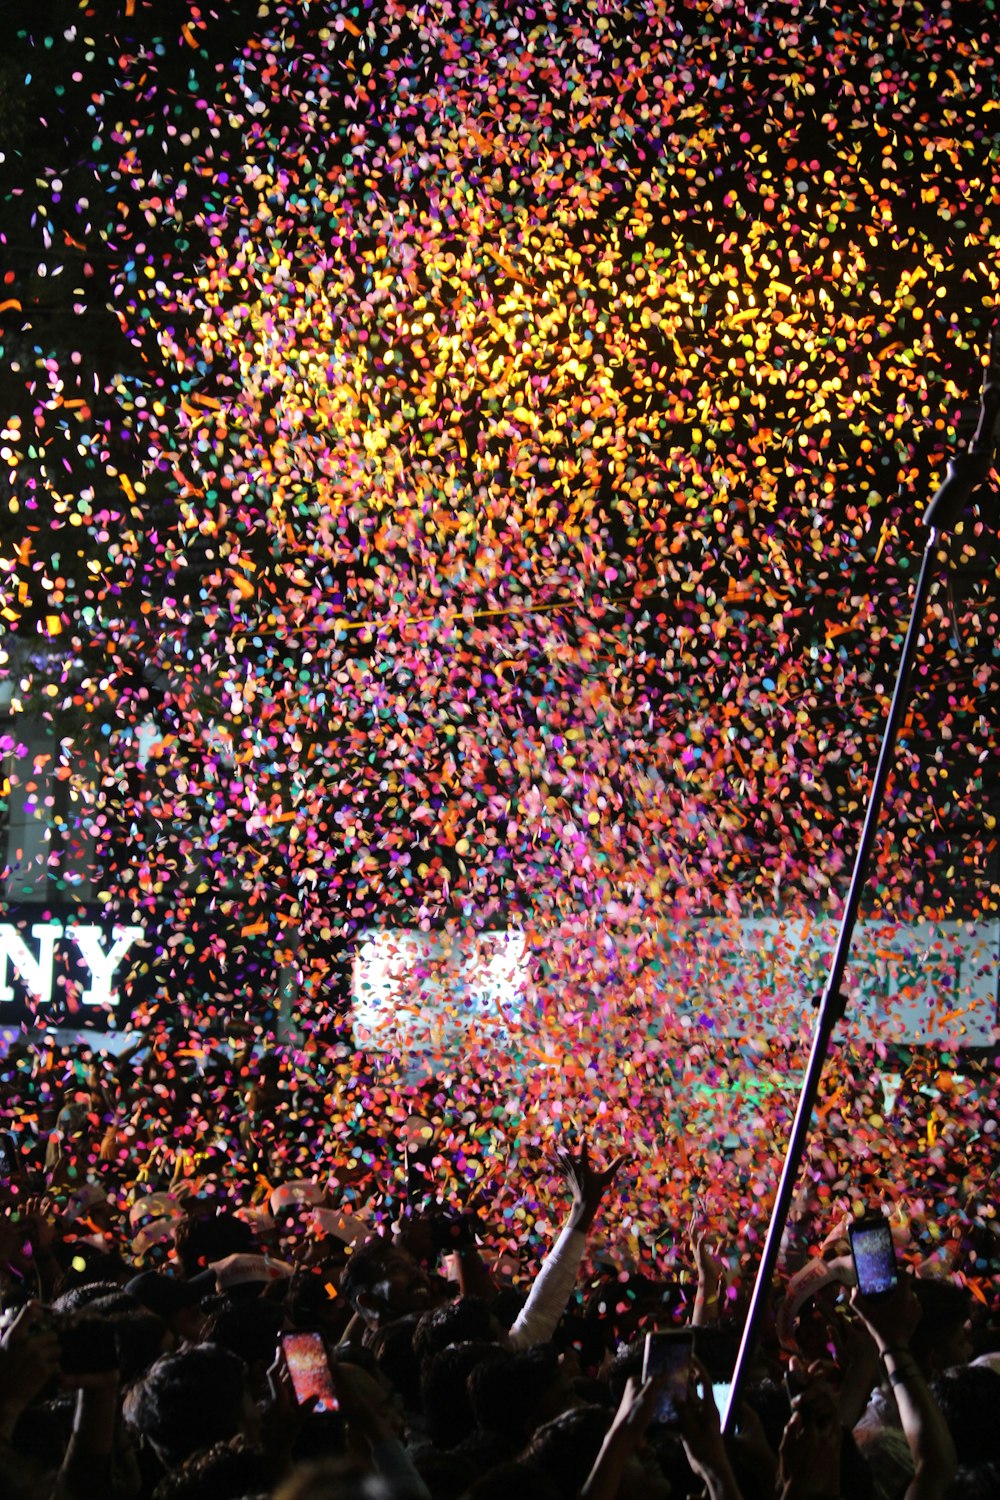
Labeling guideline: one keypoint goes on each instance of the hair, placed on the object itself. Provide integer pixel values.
(506, 1392)
(464, 1320)
(187, 1401)
(969, 1398)
(307, 1300)
(588, 1337)
(249, 1329)
(226, 1471)
(364, 1269)
(138, 1333)
(444, 1391)
(211, 1235)
(82, 1294)
(507, 1305)
(111, 1296)
(944, 1307)
(566, 1448)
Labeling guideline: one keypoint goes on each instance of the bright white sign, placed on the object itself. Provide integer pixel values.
(37, 970)
(425, 992)
(906, 982)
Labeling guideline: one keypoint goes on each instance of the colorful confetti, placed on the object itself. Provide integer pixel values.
(465, 466)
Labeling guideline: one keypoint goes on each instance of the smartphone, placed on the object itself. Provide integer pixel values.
(308, 1364)
(669, 1353)
(874, 1255)
(8, 1157)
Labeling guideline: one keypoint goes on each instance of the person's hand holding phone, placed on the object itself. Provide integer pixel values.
(299, 1382)
(890, 1318)
(701, 1433)
(636, 1411)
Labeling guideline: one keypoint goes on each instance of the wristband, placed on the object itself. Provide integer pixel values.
(903, 1365)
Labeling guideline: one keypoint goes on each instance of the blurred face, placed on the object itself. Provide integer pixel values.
(955, 1346)
(404, 1286)
(250, 1426)
(188, 1325)
(416, 1237)
(643, 1479)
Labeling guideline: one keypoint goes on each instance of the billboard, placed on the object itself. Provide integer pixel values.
(907, 982)
(85, 967)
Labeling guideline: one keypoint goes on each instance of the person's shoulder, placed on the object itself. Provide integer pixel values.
(879, 1416)
(887, 1455)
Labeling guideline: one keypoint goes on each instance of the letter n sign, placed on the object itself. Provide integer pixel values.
(82, 948)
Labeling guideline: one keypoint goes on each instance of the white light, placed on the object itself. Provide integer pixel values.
(423, 991)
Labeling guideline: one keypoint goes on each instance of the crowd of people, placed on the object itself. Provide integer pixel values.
(491, 440)
(154, 1287)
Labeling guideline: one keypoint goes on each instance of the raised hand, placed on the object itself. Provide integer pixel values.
(29, 1358)
(809, 1457)
(701, 1434)
(626, 1433)
(588, 1185)
(710, 1267)
(890, 1319)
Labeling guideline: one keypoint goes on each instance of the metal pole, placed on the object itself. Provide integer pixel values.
(831, 1002)
(964, 472)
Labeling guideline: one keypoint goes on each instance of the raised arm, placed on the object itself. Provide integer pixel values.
(704, 1444)
(624, 1437)
(550, 1292)
(890, 1320)
(710, 1267)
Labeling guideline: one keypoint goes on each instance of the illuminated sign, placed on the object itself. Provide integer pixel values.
(906, 982)
(37, 970)
(427, 991)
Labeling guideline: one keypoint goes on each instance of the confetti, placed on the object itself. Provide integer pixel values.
(464, 472)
